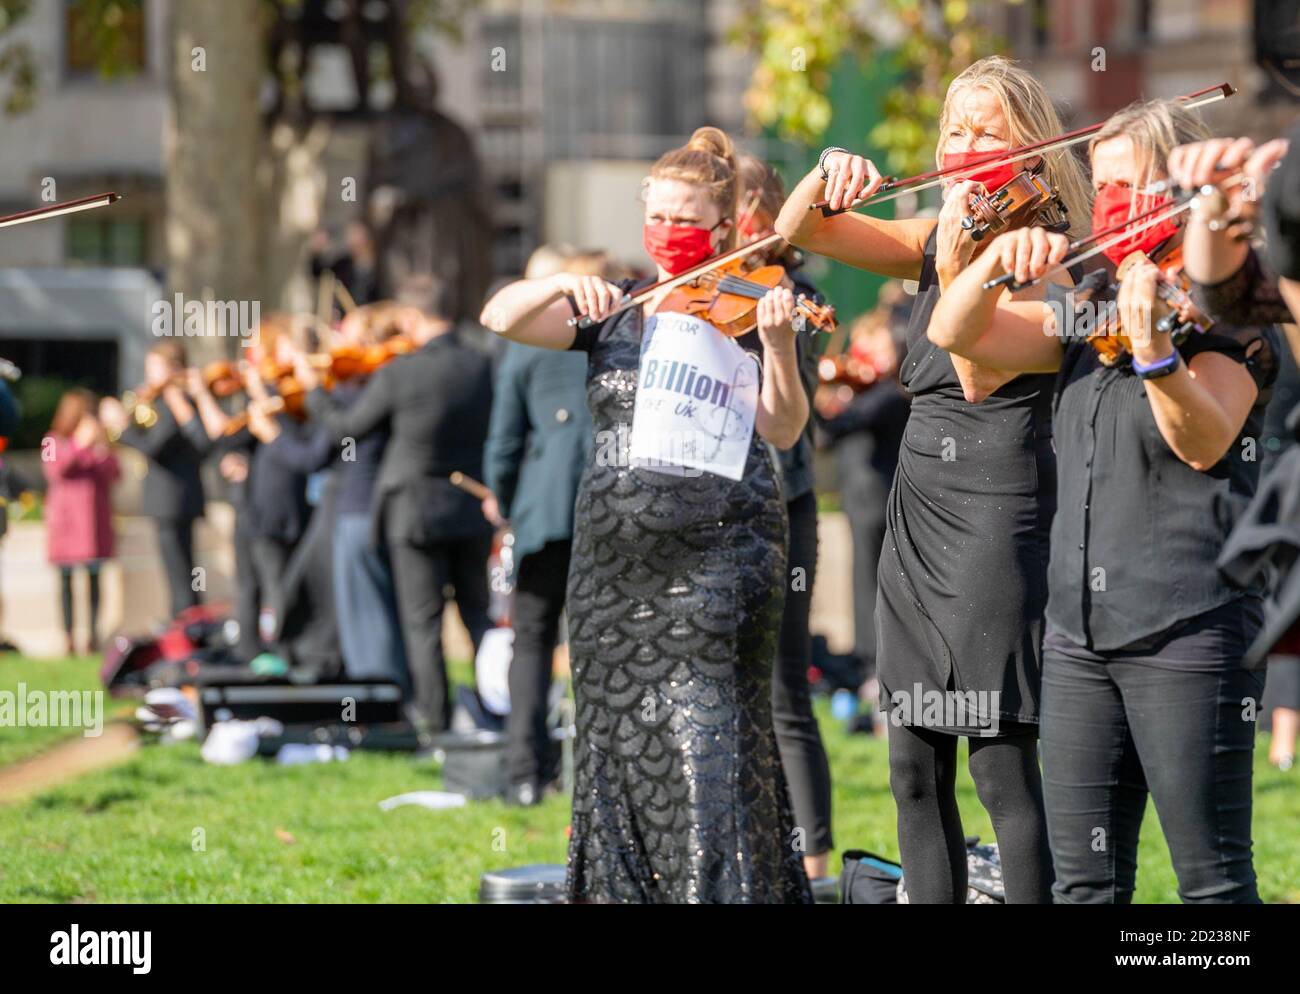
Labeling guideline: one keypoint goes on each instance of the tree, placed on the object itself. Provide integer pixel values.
(211, 148)
(243, 183)
(799, 43)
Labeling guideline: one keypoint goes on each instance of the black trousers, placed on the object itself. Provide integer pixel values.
(176, 547)
(92, 578)
(1114, 731)
(248, 588)
(422, 575)
(863, 496)
(803, 757)
(540, 583)
(271, 561)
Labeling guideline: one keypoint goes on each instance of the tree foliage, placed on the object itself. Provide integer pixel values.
(800, 43)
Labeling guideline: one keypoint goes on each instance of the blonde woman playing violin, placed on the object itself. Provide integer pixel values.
(961, 582)
(1143, 687)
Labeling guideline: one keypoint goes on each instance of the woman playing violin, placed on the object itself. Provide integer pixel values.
(678, 570)
(1143, 689)
(971, 501)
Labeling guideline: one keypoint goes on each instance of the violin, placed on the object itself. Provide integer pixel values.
(1024, 199)
(290, 398)
(854, 368)
(893, 187)
(727, 297)
(346, 362)
(1175, 311)
(223, 378)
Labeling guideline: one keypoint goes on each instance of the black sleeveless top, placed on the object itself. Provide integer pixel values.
(962, 578)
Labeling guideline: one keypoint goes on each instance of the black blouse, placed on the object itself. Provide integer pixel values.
(1248, 296)
(1137, 530)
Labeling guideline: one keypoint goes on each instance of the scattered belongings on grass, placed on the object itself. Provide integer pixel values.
(434, 800)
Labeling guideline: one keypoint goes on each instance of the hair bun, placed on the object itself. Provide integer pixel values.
(714, 141)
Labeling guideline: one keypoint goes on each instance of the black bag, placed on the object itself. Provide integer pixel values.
(983, 875)
(869, 879)
(310, 713)
(473, 763)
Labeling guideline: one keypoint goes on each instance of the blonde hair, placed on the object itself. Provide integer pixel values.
(1030, 118)
(589, 262)
(547, 260)
(707, 161)
(1156, 128)
(379, 321)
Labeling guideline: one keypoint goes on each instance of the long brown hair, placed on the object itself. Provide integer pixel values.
(708, 161)
(74, 405)
(763, 194)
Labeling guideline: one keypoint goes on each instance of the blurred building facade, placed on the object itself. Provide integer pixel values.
(568, 102)
(75, 291)
(1096, 57)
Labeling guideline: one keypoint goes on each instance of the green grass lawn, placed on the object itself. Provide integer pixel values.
(165, 826)
(46, 675)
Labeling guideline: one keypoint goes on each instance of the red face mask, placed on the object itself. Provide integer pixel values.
(1115, 204)
(994, 176)
(677, 247)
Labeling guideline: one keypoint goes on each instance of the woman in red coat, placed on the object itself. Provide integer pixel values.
(80, 469)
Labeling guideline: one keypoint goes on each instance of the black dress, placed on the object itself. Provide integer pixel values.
(962, 579)
(675, 595)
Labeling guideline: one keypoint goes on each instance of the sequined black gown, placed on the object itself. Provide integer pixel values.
(676, 587)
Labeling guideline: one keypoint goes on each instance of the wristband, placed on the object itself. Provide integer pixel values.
(821, 159)
(1159, 368)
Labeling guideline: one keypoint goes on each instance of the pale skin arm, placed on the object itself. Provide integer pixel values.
(210, 413)
(891, 248)
(954, 251)
(1201, 407)
(1210, 256)
(536, 312)
(180, 406)
(782, 403)
(991, 328)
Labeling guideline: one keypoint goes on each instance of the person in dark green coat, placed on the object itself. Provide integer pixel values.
(539, 440)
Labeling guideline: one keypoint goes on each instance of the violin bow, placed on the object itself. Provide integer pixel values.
(1106, 238)
(627, 303)
(894, 188)
(56, 210)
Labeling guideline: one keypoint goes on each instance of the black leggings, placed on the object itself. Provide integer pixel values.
(803, 757)
(92, 574)
(923, 778)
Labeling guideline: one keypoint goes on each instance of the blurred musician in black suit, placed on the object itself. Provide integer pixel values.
(174, 445)
(435, 404)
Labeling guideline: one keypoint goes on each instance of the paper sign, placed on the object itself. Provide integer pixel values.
(696, 399)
